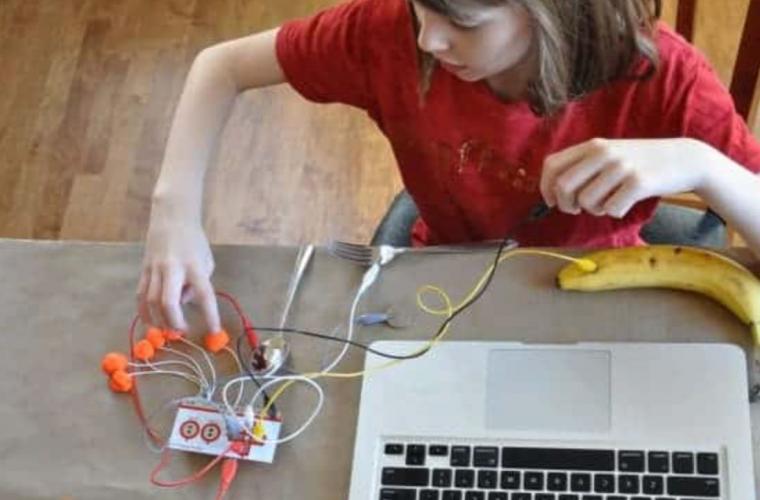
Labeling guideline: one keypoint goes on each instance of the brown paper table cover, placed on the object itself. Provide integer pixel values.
(64, 435)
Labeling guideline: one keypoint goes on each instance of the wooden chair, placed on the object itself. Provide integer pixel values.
(743, 82)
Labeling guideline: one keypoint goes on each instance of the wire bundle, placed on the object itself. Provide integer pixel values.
(252, 367)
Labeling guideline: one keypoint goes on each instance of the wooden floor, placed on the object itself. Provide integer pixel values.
(87, 92)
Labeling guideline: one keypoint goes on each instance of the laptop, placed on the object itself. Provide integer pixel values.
(585, 421)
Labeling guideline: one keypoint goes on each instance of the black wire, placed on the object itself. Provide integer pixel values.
(273, 408)
(538, 212)
(415, 355)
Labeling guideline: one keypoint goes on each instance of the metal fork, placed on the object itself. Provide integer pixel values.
(366, 255)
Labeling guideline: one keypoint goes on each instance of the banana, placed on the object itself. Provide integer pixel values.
(679, 267)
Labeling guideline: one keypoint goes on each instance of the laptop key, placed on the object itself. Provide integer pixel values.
(556, 481)
(475, 495)
(545, 496)
(557, 459)
(397, 494)
(415, 454)
(693, 487)
(485, 456)
(521, 496)
(487, 479)
(683, 463)
(498, 495)
(400, 476)
(707, 463)
(653, 485)
(394, 449)
(568, 497)
(438, 450)
(659, 461)
(428, 494)
(580, 482)
(631, 461)
(464, 478)
(452, 495)
(510, 480)
(628, 484)
(604, 483)
(460, 456)
(533, 481)
(442, 478)
(592, 497)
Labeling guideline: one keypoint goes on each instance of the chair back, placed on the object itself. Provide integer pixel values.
(747, 65)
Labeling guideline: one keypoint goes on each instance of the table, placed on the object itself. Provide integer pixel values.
(63, 305)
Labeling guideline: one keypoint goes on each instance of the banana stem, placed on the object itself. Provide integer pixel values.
(754, 394)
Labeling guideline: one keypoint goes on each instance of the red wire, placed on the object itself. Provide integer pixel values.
(166, 458)
(136, 402)
(229, 467)
(229, 470)
(253, 339)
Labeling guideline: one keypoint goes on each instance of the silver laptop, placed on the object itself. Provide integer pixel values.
(586, 421)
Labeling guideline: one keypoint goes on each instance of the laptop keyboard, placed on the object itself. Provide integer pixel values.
(417, 471)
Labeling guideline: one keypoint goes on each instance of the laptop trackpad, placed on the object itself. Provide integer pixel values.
(561, 390)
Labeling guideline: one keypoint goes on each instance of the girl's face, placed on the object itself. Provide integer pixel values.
(481, 42)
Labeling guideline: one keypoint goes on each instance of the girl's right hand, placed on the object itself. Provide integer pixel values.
(176, 269)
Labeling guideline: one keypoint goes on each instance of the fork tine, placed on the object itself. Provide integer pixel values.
(353, 255)
(351, 251)
(351, 246)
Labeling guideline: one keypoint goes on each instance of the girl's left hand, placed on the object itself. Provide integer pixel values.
(607, 177)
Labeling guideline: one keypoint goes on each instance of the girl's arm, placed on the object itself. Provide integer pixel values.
(178, 263)
(607, 177)
(734, 193)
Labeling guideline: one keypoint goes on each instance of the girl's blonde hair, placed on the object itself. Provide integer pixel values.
(581, 45)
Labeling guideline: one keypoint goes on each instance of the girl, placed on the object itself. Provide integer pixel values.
(491, 106)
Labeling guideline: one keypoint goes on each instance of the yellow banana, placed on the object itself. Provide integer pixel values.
(680, 267)
(665, 266)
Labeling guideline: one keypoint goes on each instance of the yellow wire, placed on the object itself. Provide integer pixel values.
(448, 310)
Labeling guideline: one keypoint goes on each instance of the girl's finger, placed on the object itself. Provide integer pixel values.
(154, 298)
(557, 163)
(604, 185)
(174, 278)
(621, 202)
(568, 186)
(206, 299)
(142, 297)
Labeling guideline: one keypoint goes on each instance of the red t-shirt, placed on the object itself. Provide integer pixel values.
(472, 162)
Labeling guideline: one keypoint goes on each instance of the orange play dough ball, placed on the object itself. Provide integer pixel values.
(113, 361)
(217, 341)
(156, 337)
(120, 381)
(144, 350)
(172, 335)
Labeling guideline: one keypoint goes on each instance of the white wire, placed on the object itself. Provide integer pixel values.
(208, 360)
(157, 364)
(260, 391)
(240, 369)
(317, 409)
(199, 370)
(367, 280)
(190, 378)
(329, 348)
